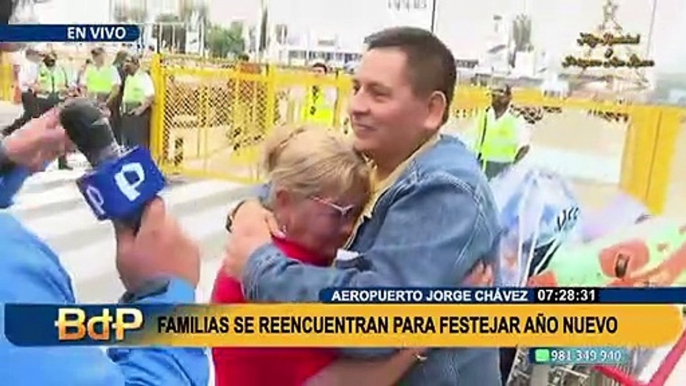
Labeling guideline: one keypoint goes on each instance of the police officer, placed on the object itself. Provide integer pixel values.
(101, 81)
(502, 137)
(137, 99)
(318, 105)
(52, 87)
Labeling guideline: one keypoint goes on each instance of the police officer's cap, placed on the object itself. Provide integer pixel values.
(97, 51)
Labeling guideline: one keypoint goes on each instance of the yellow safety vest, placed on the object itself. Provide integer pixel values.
(317, 109)
(52, 81)
(100, 80)
(134, 92)
(497, 141)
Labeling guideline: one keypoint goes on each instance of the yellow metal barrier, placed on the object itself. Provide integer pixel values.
(188, 61)
(593, 135)
(7, 79)
(211, 122)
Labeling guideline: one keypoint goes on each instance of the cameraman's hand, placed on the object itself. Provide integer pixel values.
(160, 248)
(39, 141)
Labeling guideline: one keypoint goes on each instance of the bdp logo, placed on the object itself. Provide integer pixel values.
(72, 324)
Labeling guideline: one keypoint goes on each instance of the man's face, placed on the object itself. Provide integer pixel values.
(49, 61)
(318, 71)
(130, 66)
(99, 59)
(500, 97)
(386, 114)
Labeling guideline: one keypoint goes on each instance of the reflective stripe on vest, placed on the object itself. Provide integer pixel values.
(52, 81)
(134, 92)
(99, 80)
(317, 110)
(500, 143)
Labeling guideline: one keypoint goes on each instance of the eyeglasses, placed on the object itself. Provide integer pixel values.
(343, 211)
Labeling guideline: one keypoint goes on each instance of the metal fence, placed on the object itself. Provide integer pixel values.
(211, 122)
(8, 80)
(211, 117)
(605, 146)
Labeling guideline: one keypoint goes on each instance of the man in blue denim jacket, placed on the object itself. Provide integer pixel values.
(432, 219)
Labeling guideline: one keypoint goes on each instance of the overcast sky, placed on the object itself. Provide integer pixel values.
(464, 25)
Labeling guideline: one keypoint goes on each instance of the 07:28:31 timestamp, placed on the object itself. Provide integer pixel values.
(566, 295)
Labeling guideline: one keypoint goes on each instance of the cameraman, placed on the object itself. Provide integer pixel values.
(159, 264)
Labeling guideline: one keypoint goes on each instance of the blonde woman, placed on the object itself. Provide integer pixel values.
(319, 186)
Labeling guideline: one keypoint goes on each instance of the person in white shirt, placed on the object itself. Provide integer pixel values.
(27, 77)
(137, 99)
(502, 137)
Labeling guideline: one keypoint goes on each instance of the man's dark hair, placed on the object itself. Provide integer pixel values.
(322, 66)
(429, 60)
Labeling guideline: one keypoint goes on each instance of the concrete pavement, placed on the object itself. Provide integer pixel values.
(51, 206)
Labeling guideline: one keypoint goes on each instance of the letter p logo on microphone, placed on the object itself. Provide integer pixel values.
(119, 190)
(128, 186)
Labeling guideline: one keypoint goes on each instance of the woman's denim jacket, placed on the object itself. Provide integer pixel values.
(428, 229)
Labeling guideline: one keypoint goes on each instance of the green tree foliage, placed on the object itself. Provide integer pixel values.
(223, 42)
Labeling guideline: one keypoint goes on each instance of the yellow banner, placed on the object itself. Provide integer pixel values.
(440, 325)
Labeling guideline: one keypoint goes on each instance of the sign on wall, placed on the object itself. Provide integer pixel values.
(407, 5)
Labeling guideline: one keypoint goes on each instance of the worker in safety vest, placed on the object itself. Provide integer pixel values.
(137, 99)
(101, 81)
(319, 104)
(52, 87)
(52, 83)
(502, 137)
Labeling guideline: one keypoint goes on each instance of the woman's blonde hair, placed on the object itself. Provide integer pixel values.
(312, 161)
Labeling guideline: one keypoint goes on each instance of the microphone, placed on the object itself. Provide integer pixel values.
(88, 128)
(121, 182)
